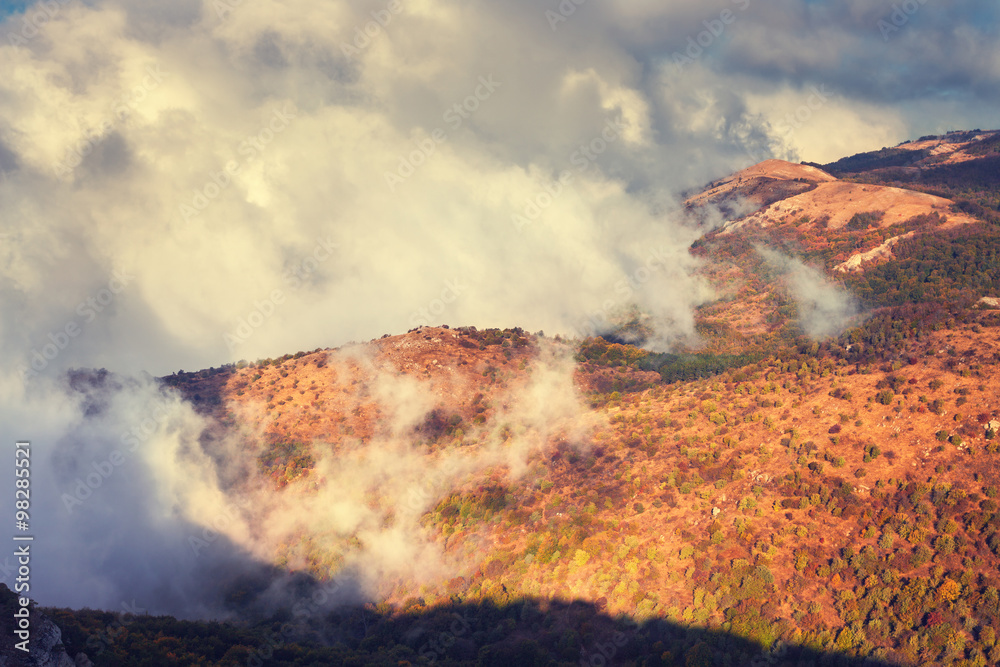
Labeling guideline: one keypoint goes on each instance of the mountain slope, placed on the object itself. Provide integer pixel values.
(858, 234)
(817, 481)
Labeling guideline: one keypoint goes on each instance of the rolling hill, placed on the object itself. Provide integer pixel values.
(768, 497)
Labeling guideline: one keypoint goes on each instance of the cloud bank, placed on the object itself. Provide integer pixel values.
(191, 183)
(140, 500)
(319, 172)
(824, 309)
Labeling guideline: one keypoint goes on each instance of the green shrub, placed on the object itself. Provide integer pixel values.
(945, 545)
(864, 220)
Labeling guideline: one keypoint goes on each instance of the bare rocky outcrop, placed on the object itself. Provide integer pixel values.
(989, 302)
(856, 262)
(45, 648)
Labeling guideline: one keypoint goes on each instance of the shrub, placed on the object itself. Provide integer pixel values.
(945, 545)
(801, 562)
(922, 554)
(888, 537)
(864, 220)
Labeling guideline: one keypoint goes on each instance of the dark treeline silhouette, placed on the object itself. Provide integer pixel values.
(517, 632)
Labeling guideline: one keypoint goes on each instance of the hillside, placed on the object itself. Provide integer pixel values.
(817, 483)
(839, 495)
(882, 244)
(962, 166)
(775, 193)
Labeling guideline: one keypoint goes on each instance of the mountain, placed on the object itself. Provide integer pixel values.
(775, 193)
(815, 482)
(860, 225)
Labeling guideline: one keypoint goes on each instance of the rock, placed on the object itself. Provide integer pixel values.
(715, 512)
(45, 646)
(855, 262)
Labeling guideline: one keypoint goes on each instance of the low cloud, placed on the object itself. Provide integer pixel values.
(824, 309)
(142, 498)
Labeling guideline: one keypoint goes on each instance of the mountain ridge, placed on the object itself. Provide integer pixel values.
(831, 494)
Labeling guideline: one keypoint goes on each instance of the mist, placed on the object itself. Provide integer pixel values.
(189, 184)
(143, 501)
(823, 308)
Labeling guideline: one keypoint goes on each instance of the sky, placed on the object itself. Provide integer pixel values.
(191, 183)
(187, 184)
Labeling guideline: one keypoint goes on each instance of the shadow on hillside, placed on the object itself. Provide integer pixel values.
(522, 632)
(203, 389)
(542, 632)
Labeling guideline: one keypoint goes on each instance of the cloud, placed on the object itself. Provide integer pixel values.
(191, 183)
(234, 145)
(232, 138)
(824, 309)
(139, 497)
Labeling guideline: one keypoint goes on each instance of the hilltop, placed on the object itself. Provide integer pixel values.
(885, 244)
(775, 193)
(774, 494)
